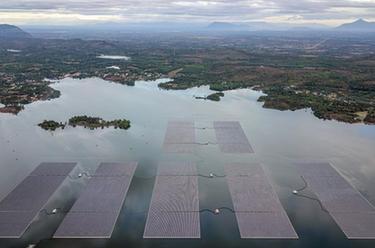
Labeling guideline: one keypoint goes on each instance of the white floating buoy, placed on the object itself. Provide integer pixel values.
(54, 211)
(80, 175)
(212, 175)
(217, 211)
(295, 192)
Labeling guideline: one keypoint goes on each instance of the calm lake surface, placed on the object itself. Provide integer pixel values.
(278, 138)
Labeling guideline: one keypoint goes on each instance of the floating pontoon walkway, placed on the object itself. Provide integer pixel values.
(259, 212)
(231, 137)
(174, 209)
(351, 211)
(21, 206)
(180, 137)
(95, 213)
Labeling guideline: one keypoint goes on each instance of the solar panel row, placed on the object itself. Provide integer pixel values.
(351, 211)
(95, 213)
(258, 210)
(174, 208)
(20, 207)
(231, 137)
(180, 137)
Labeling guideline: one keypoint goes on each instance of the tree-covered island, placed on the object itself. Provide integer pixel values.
(86, 122)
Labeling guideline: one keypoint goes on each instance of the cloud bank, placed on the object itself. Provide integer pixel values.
(331, 12)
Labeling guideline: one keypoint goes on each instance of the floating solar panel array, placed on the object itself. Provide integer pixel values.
(351, 211)
(95, 213)
(20, 207)
(231, 137)
(174, 209)
(180, 137)
(258, 210)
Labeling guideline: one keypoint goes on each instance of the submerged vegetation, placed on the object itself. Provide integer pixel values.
(86, 122)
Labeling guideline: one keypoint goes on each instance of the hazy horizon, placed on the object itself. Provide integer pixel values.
(83, 12)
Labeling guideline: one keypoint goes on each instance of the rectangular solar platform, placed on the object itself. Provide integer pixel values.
(351, 211)
(259, 212)
(180, 137)
(174, 208)
(231, 137)
(19, 208)
(95, 213)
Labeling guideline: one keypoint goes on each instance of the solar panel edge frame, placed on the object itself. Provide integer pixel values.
(45, 204)
(296, 236)
(114, 226)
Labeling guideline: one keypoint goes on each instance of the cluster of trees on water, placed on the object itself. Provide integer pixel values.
(97, 122)
(51, 125)
(215, 96)
(86, 122)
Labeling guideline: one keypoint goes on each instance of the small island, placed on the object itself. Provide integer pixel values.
(51, 125)
(86, 122)
(213, 97)
(96, 122)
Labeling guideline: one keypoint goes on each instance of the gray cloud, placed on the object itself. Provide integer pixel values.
(198, 10)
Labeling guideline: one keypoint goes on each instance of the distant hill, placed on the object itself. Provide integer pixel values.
(12, 32)
(264, 26)
(359, 25)
(226, 26)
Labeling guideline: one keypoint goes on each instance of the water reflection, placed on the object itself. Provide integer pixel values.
(278, 138)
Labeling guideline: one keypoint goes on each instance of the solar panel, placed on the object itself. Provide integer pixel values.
(31, 194)
(351, 211)
(231, 137)
(258, 210)
(19, 207)
(116, 169)
(174, 208)
(53, 169)
(180, 137)
(87, 225)
(95, 213)
(172, 225)
(185, 168)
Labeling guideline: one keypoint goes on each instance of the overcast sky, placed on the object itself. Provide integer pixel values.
(330, 12)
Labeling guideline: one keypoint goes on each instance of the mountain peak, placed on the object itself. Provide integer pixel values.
(358, 25)
(360, 20)
(11, 32)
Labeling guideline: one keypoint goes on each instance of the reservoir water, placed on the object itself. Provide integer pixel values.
(278, 138)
